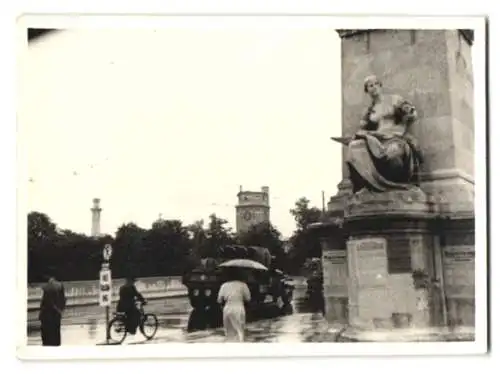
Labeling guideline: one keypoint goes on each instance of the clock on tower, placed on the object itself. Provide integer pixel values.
(247, 215)
(253, 208)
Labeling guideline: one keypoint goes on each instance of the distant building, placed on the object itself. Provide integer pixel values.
(253, 208)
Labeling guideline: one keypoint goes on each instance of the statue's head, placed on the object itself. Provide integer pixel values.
(372, 85)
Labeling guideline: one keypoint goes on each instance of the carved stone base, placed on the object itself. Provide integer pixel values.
(434, 334)
(410, 224)
(390, 236)
(412, 202)
(381, 290)
(450, 192)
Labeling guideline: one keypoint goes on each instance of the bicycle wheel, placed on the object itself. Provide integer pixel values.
(149, 325)
(117, 331)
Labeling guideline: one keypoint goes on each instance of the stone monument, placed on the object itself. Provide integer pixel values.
(401, 228)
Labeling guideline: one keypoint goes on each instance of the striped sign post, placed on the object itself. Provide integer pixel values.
(105, 286)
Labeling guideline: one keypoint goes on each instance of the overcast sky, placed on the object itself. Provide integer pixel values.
(173, 121)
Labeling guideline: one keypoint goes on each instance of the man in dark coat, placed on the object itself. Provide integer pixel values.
(51, 309)
(126, 304)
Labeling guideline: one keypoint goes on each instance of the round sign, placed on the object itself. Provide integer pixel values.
(106, 253)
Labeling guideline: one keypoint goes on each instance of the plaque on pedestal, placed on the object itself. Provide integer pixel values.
(370, 257)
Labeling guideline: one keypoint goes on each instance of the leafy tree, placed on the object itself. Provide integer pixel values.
(262, 234)
(304, 214)
(71, 255)
(41, 231)
(218, 234)
(265, 235)
(129, 241)
(199, 241)
(168, 247)
(41, 235)
(304, 244)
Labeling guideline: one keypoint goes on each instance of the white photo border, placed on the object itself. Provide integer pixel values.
(213, 350)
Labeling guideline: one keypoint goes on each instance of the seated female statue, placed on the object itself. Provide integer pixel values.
(382, 155)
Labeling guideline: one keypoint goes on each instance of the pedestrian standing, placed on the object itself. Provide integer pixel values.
(51, 309)
(233, 295)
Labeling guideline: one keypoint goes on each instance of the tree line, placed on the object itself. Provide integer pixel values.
(167, 248)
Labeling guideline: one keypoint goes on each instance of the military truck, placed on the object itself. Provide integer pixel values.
(269, 288)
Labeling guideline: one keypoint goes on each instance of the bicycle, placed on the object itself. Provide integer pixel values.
(118, 325)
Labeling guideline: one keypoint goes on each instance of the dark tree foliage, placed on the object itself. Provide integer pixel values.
(266, 235)
(70, 255)
(304, 243)
(167, 248)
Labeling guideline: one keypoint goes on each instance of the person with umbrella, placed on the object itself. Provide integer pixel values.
(233, 295)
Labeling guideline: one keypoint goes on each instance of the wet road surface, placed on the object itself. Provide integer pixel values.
(86, 325)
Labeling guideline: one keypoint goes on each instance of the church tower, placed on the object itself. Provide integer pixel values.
(253, 208)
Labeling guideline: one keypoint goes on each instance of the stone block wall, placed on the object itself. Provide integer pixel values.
(458, 251)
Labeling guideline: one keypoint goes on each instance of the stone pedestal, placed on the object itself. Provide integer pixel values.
(390, 236)
(369, 256)
(335, 271)
(458, 269)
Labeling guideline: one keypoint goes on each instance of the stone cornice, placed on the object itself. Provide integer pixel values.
(346, 33)
(253, 205)
(468, 35)
(443, 174)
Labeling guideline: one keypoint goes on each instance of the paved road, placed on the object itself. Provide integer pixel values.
(85, 326)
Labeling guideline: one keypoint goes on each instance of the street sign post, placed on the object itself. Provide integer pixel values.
(105, 285)
(107, 252)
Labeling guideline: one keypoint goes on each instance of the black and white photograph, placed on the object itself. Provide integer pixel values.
(251, 180)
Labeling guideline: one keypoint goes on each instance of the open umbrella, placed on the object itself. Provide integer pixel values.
(243, 263)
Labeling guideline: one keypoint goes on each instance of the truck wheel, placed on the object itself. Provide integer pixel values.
(196, 320)
(213, 317)
(287, 298)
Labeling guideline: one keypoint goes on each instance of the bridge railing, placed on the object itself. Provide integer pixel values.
(80, 293)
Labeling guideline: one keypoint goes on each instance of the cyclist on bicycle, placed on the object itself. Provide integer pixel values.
(127, 304)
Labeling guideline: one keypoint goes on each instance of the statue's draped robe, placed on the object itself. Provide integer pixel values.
(387, 159)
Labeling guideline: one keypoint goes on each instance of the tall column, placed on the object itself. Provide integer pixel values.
(96, 218)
